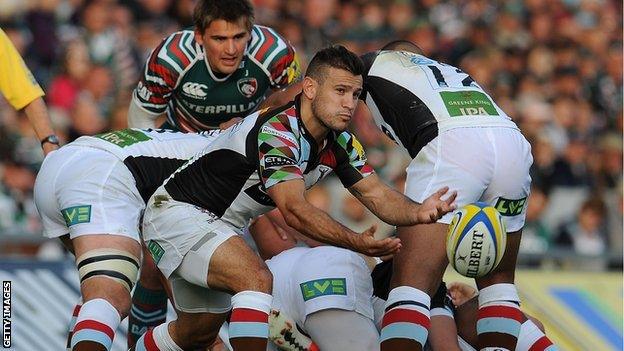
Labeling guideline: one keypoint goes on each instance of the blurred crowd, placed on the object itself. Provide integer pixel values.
(555, 67)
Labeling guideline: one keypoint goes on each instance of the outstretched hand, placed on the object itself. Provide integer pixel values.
(368, 245)
(433, 208)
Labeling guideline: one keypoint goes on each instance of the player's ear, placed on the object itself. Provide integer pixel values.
(198, 37)
(310, 87)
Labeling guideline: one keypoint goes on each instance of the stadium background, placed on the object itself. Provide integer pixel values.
(555, 66)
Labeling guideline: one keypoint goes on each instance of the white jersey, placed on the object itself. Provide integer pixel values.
(413, 98)
(151, 155)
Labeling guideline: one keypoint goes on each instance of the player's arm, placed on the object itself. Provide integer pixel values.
(395, 208)
(158, 80)
(318, 225)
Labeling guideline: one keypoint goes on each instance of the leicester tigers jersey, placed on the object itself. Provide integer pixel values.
(412, 98)
(231, 176)
(178, 80)
(151, 155)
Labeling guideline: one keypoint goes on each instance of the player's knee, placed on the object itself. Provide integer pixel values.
(537, 323)
(99, 268)
(198, 338)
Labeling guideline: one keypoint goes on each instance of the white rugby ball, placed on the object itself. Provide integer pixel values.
(476, 240)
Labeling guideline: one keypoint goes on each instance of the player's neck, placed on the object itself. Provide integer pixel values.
(312, 124)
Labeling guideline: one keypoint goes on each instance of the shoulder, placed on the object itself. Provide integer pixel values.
(269, 49)
(177, 50)
(281, 122)
(351, 145)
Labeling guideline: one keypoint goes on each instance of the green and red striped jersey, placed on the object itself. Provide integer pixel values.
(178, 80)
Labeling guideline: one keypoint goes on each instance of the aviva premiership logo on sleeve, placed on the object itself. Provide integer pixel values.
(77, 214)
(323, 287)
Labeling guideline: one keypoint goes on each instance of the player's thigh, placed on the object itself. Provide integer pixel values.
(329, 278)
(510, 186)
(97, 197)
(457, 158)
(340, 330)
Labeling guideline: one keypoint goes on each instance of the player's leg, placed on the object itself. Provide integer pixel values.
(220, 261)
(443, 331)
(149, 301)
(500, 318)
(419, 266)
(108, 267)
(339, 330)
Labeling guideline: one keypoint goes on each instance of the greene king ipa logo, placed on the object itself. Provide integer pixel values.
(6, 314)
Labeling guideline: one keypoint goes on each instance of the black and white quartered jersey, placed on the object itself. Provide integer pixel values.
(151, 155)
(413, 98)
(231, 176)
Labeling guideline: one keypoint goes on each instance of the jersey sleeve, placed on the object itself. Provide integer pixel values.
(350, 159)
(278, 152)
(276, 55)
(162, 70)
(17, 84)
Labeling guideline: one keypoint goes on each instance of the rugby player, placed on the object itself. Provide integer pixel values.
(204, 78)
(90, 194)
(459, 137)
(265, 161)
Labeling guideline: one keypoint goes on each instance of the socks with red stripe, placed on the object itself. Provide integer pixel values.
(72, 324)
(249, 322)
(157, 339)
(406, 321)
(149, 309)
(499, 318)
(95, 324)
(533, 339)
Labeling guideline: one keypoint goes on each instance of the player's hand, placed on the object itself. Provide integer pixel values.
(433, 208)
(231, 122)
(368, 245)
(461, 292)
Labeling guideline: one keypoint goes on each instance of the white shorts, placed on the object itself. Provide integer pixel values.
(82, 191)
(308, 280)
(483, 164)
(171, 229)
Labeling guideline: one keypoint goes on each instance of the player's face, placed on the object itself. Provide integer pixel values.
(336, 98)
(224, 43)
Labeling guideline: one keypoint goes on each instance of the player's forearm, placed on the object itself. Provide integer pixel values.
(391, 207)
(319, 226)
(139, 118)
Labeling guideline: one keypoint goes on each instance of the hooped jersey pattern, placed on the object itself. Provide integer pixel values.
(151, 155)
(178, 80)
(231, 176)
(412, 98)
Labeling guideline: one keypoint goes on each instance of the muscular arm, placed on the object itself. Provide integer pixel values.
(318, 225)
(395, 208)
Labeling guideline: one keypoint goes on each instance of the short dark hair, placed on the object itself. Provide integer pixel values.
(403, 45)
(336, 56)
(207, 11)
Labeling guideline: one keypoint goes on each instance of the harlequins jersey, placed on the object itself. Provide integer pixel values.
(178, 80)
(151, 155)
(231, 176)
(413, 97)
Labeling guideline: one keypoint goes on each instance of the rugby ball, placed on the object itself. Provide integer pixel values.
(476, 240)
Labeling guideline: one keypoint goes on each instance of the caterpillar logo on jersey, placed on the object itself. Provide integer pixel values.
(277, 161)
(247, 86)
(194, 90)
(323, 287)
(508, 207)
(77, 214)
